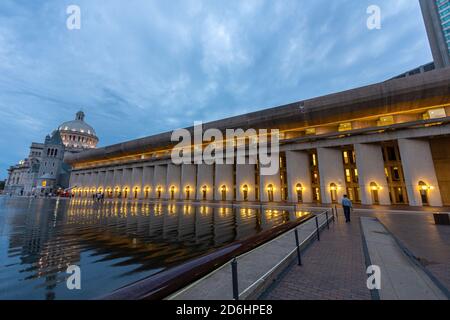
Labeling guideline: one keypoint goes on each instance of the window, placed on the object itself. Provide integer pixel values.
(348, 175)
(346, 126)
(435, 114)
(391, 154)
(385, 121)
(395, 174)
(310, 131)
(346, 158)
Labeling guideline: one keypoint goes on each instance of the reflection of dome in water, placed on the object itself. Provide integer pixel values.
(77, 134)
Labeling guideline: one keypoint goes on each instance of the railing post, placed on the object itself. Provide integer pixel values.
(328, 224)
(235, 279)
(298, 247)
(317, 229)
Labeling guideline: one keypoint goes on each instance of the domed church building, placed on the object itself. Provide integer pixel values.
(44, 171)
(77, 135)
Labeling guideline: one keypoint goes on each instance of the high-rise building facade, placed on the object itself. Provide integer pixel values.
(436, 14)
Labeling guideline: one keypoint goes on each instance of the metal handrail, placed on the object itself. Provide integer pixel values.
(268, 273)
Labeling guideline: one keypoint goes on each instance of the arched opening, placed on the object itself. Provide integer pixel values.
(299, 189)
(245, 192)
(147, 192)
(270, 193)
(204, 191)
(188, 192)
(172, 192)
(136, 190)
(158, 192)
(423, 189)
(333, 192)
(223, 191)
(374, 188)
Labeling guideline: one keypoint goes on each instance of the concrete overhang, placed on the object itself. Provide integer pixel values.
(392, 96)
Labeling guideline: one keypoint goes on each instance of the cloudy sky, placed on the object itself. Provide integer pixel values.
(140, 67)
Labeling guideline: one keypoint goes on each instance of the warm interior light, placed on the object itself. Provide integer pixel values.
(423, 186)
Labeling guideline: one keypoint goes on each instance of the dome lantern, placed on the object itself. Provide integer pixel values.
(77, 135)
(80, 116)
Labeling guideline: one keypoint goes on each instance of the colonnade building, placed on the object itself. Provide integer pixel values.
(383, 144)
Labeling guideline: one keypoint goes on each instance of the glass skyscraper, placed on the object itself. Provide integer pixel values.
(436, 14)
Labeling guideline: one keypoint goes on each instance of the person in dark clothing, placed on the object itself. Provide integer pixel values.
(347, 206)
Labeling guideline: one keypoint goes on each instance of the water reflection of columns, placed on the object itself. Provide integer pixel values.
(246, 222)
(224, 225)
(170, 223)
(186, 222)
(156, 220)
(203, 221)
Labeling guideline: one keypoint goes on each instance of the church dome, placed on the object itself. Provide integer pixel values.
(77, 135)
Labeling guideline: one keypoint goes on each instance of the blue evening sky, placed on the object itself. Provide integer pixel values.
(140, 67)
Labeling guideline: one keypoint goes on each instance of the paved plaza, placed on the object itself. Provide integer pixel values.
(334, 268)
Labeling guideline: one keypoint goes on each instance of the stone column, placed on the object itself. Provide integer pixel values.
(224, 177)
(137, 178)
(418, 165)
(298, 172)
(101, 180)
(188, 179)
(331, 170)
(160, 181)
(127, 182)
(148, 182)
(109, 180)
(245, 175)
(370, 164)
(205, 177)
(265, 182)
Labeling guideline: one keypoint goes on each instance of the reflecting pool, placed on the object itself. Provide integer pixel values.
(114, 243)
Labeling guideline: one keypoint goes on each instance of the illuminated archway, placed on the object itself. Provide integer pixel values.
(374, 188)
(424, 189)
(270, 190)
(188, 192)
(299, 190)
(172, 192)
(245, 192)
(159, 192)
(204, 192)
(333, 192)
(223, 191)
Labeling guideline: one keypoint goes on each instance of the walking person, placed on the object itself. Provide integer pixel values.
(347, 206)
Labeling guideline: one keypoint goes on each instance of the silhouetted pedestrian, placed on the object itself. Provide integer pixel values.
(347, 206)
